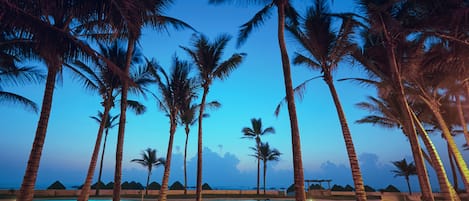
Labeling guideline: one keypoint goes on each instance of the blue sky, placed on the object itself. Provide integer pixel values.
(252, 91)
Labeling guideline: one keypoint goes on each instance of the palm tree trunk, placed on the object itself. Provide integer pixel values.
(29, 180)
(199, 146)
(462, 119)
(354, 165)
(167, 165)
(445, 186)
(258, 142)
(409, 127)
(295, 133)
(85, 191)
(408, 184)
(98, 187)
(185, 160)
(148, 180)
(462, 166)
(121, 133)
(265, 171)
(453, 169)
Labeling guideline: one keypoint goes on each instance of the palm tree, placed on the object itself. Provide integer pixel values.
(48, 26)
(129, 17)
(255, 133)
(110, 123)
(405, 170)
(206, 55)
(266, 154)
(149, 160)
(101, 79)
(187, 117)
(385, 112)
(326, 49)
(285, 11)
(174, 89)
(386, 31)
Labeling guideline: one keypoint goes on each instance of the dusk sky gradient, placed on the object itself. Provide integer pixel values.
(251, 91)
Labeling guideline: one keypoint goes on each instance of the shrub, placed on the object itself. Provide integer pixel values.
(101, 185)
(369, 189)
(205, 186)
(316, 187)
(56, 185)
(132, 185)
(176, 186)
(154, 186)
(390, 188)
(337, 188)
(348, 188)
(109, 185)
(291, 188)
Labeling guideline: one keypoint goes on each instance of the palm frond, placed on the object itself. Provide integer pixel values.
(136, 107)
(11, 98)
(298, 92)
(256, 21)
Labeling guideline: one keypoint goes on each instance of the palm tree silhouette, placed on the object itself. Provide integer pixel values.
(174, 89)
(110, 123)
(255, 133)
(149, 160)
(98, 77)
(266, 154)
(405, 170)
(206, 55)
(48, 25)
(285, 12)
(325, 49)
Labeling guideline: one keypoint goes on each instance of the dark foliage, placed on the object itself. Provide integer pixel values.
(337, 188)
(132, 185)
(154, 186)
(390, 188)
(205, 186)
(369, 189)
(176, 186)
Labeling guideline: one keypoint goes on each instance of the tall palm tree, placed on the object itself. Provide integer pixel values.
(149, 160)
(48, 26)
(387, 31)
(207, 56)
(285, 11)
(110, 123)
(99, 78)
(255, 133)
(405, 170)
(326, 49)
(174, 89)
(129, 17)
(266, 154)
(187, 117)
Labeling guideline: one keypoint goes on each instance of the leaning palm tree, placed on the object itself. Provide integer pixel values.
(207, 56)
(99, 78)
(174, 89)
(49, 27)
(255, 133)
(109, 124)
(285, 12)
(149, 160)
(387, 32)
(129, 17)
(325, 48)
(266, 154)
(405, 170)
(385, 113)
